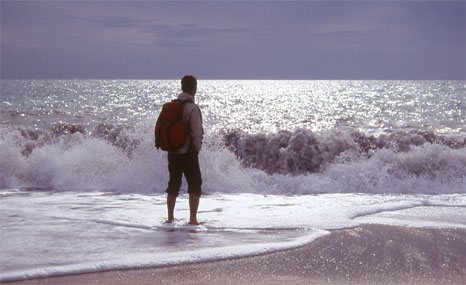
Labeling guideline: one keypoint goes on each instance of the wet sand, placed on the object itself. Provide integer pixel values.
(369, 254)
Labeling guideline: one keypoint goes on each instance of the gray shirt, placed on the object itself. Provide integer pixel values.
(192, 120)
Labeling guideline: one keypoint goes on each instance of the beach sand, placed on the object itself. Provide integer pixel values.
(369, 254)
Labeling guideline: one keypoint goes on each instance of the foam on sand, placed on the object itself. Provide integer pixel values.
(62, 228)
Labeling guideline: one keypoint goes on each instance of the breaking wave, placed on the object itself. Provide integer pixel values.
(119, 136)
(118, 158)
(304, 151)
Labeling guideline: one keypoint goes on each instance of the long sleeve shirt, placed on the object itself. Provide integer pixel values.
(192, 121)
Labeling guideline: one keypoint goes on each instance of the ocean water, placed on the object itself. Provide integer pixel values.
(283, 162)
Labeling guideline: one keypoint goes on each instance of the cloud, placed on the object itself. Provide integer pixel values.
(192, 35)
(166, 35)
(348, 33)
(111, 22)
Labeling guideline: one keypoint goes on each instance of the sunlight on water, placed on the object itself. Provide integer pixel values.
(250, 105)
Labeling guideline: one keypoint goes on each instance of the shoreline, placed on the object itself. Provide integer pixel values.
(366, 254)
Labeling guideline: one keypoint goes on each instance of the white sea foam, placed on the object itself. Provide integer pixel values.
(81, 162)
(143, 260)
(48, 234)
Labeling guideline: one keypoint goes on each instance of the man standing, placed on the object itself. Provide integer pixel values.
(185, 160)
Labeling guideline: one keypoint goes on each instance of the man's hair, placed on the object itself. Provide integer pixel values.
(188, 83)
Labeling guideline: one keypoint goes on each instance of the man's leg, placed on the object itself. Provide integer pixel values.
(175, 171)
(171, 201)
(193, 205)
(194, 179)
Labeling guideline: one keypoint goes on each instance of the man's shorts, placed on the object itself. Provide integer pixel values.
(187, 164)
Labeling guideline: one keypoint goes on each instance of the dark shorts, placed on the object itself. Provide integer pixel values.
(187, 164)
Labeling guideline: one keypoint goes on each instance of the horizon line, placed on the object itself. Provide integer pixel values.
(233, 78)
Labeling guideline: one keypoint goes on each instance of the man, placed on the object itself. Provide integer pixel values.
(185, 159)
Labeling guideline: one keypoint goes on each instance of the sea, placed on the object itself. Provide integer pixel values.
(284, 162)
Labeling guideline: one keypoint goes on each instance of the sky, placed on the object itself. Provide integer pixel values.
(233, 40)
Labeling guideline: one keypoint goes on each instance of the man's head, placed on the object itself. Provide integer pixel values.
(189, 84)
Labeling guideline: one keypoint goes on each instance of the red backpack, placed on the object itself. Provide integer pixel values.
(169, 130)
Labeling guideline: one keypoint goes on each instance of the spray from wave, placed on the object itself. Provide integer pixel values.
(123, 159)
(304, 151)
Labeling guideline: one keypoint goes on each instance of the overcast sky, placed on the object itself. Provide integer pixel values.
(233, 40)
